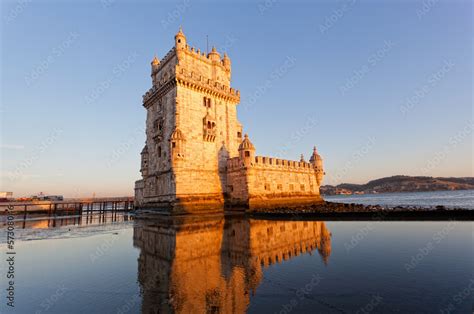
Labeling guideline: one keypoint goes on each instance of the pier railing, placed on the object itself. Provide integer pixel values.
(74, 207)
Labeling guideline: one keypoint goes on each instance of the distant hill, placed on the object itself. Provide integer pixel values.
(402, 184)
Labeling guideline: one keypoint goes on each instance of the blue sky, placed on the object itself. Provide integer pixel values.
(380, 87)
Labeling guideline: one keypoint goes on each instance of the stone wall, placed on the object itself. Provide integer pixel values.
(268, 182)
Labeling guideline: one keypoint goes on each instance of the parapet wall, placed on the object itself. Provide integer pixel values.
(261, 162)
(271, 182)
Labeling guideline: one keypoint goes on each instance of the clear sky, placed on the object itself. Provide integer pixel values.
(380, 87)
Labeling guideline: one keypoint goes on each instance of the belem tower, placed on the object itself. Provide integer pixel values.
(196, 158)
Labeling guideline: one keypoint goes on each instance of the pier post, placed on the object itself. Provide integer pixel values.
(24, 217)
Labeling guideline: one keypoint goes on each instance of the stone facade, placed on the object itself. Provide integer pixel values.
(195, 159)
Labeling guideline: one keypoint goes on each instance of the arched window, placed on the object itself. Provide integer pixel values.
(159, 151)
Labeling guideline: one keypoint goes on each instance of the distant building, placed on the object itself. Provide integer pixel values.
(196, 158)
(6, 196)
(42, 197)
(343, 192)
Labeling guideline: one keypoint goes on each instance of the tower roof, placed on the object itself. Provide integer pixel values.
(214, 52)
(246, 144)
(315, 156)
(180, 33)
(155, 61)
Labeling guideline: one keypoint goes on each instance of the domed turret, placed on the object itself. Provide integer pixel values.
(317, 162)
(226, 62)
(246, 144)
(214, 55)
(302, 158)
(316, 158)
(180, 39)
(246, 151)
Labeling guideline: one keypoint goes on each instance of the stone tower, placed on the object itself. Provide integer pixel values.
(191, 130)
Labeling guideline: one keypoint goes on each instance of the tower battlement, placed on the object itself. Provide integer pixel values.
(195, 158)
(270, 163)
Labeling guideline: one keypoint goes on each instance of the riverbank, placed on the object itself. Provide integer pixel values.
(342, 211)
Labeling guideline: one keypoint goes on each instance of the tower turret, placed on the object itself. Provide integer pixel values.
(247, 151)
(155, 63)
(144, 163)
(226, 62)
(180, 40)
(317, 162)
(214, 55)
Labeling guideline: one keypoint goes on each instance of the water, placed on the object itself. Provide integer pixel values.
(449, 199)
(237, 265)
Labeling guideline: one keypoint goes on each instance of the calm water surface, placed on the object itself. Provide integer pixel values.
(450, 199)
(237, 265)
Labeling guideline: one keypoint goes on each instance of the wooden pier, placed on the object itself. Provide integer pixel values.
(70, 207)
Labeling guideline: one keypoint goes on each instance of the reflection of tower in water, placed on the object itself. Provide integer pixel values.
(192, 265)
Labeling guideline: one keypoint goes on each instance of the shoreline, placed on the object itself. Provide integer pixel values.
(324, 211)
(352, 211)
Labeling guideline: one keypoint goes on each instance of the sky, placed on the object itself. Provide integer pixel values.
(380, 87)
